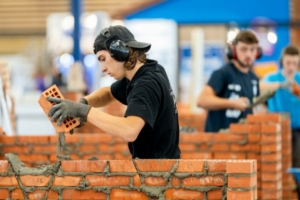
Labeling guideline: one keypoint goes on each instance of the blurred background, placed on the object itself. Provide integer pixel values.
(51, 42)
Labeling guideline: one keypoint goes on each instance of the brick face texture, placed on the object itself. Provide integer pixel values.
(137, 179)
(265, 138)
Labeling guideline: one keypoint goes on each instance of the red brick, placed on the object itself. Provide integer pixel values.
(8, 181)
(222, 137)
(155, 181)
(195, 137)
(15, 149)
(254, 137)
(155, 165)
(272, 194)
(121, 166)
(52, 195)
(244, 128)
(33, 157)
(203, 147)
(87, 148)
(216, 165)
(264, 118)
(116, 194)
(121, 156)
(229, 155)
(272, 157)
(74, 139)
(120, 147)
(183, 194)
(239, 195)
(241, 166)
(275, 185)
(105, 148)
(190, 166)
(67, 125)
(242, 181)
(214, 194)
(69, 193)
(97, 139)
(270, 128)
(196, 155)
(7, 139)
(271, 167)
(246, 147)
(3, 166)
(286, 137)
(254, 156)
(67, 181)
(220, 147)
(175, 181)
(108, 181)
(187, 147)
(16, 194)
(268, 148)
(137, 180)
(270, 138)
(37, 194)
(218, 180)
(271, 176)
(32, 139)
(28, 180)
(84, 166)
(4, 194)
(43, 148)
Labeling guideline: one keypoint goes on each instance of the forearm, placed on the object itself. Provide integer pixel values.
(113, 125)
(268, 86)
(214, 103)
(100, 97)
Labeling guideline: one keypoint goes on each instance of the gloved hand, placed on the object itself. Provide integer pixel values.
(81, 121)
(65, 108)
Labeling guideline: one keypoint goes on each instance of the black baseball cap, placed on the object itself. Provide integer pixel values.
(107, 35)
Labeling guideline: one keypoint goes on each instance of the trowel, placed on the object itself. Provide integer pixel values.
(60, 143)
(262, 98)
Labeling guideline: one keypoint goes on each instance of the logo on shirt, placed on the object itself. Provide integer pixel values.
(255, 87)
(232, 113)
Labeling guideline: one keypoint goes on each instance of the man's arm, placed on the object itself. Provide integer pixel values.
(100, 97)
(208, 100)
(127, 128)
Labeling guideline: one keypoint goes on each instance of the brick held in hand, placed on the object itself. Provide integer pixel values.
(69, 123)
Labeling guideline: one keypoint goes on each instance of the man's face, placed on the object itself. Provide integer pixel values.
(290, 63)
(110, 66)
(246, 53)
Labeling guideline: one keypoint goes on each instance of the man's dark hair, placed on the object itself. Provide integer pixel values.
(246, 36)
(290, 50)
(134, 56)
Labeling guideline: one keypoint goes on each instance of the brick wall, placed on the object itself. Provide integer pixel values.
(266, 138)
(137, 179)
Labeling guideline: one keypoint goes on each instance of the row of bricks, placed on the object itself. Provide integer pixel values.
(169, 194)
(228, 166)
(122, 180)
(264, 158)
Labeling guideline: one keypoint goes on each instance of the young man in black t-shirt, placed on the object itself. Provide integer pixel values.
(150, 124)
(232, 88)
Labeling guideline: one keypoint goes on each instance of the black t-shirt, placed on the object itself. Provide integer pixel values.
(228, 82)
(149, 96)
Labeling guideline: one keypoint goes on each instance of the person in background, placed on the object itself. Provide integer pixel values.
(232, 88)
(284, 100)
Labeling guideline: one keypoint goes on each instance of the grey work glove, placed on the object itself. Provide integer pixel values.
(65, 108)
(81, 120)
